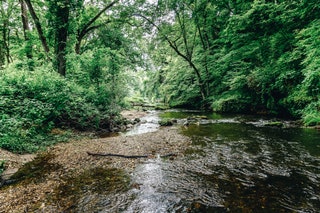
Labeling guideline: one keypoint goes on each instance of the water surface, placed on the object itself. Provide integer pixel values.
(149, 123)
(234, 164)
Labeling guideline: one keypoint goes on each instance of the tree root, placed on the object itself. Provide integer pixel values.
(130, 156)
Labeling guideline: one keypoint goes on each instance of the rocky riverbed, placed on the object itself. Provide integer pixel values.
(48, 181)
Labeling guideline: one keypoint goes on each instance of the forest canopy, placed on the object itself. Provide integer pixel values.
(76, 63)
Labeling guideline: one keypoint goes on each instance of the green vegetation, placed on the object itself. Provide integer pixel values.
(55, 76)
(166, 122)
(248, 57)
(34, 103)
(75, 64)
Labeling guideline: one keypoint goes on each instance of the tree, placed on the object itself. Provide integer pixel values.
(38, 27)
(26, 33)
(87, 27)
(60, 13)
(180, 35)
(6, 11)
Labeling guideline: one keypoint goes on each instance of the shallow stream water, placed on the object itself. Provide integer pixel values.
(235, 164)
(148, 123)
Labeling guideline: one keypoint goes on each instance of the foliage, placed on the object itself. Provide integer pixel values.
(249, 57)
(311, 114)
(85, 43)
(165, 122)
(33, 103)
(229, 56)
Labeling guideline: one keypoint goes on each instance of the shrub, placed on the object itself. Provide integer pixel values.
(33, 103)
(311, 114)
(231, 102)
(165, 122)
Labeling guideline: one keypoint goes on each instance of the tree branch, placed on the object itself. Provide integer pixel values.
(129, 156)
(86, 28)
(175, 47)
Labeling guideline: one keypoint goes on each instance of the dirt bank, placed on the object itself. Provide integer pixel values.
(71, 159)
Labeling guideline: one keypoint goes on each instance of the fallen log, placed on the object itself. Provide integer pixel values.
(130, 156)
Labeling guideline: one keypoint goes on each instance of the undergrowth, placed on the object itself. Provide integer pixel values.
(34, 103)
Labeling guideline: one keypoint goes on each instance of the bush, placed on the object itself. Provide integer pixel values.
(33, 103)
(231, 102)
(165, 122)
(311, 114)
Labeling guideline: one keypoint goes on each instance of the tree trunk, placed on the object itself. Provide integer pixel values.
(6, 41)
(26, 31)
(62, 24)
(192, 65)
(185, 57)
(2, 51)
(38, 27)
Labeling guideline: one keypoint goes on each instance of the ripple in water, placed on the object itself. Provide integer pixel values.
(230, 167)
(151, 195)
(149, 123)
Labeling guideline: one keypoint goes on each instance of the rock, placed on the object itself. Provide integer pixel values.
(174, 121)
(129, 126)
(186, 123)
(116, 129)
(191, 118)
(317, 127)
(6, 176)
(165, 123)
(201, 117)
(275, 124)
(136, 120)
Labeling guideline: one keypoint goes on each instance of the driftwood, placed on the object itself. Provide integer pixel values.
(130, 156)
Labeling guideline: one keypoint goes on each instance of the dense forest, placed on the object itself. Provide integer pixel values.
(74, 64)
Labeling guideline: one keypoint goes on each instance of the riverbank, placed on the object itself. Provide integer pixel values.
(70, 159)
(14, 161)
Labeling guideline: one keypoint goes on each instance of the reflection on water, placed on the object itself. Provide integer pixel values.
(151, 193)
(258, 169)
(231, 167)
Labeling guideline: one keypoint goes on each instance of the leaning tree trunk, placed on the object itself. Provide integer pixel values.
(26, 31)
(38, 27)
(187, 56)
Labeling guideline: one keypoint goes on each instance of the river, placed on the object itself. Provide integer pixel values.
(235, 164)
